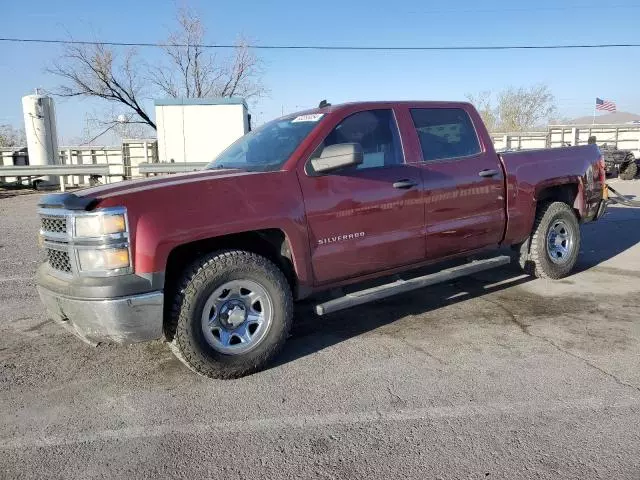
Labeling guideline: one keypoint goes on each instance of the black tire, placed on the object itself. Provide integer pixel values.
(535, 257)
(184, 328)
(94, 180)
(628, 171)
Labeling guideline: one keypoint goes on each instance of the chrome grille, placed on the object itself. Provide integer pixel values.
(53, 224)
(58, 260)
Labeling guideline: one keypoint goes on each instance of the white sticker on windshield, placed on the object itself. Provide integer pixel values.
(312, 117)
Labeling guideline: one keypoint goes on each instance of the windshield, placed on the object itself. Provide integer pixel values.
(268, 147)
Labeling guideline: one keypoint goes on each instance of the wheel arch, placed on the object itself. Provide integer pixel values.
(521, 221)
(566, 192)
(271, 243)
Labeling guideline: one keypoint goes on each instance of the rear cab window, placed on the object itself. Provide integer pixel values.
(445, 133)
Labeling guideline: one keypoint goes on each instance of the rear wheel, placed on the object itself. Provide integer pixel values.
(231, 315)
(552, 249)
(628, 170)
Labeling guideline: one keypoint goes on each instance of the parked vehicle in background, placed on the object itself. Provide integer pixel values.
(213, 260)
(621, 163)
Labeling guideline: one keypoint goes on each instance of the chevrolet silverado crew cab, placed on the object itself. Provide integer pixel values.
(213, 260)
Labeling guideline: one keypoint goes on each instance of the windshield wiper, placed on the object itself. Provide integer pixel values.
(227, 167)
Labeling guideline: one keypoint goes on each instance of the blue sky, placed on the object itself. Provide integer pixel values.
(298, 79)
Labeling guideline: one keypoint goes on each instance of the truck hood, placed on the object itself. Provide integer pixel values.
(93, 197)
(106, 191)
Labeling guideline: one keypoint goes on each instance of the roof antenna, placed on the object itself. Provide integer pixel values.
(323, 104)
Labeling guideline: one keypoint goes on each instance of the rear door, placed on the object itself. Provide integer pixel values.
(463, 183)
(369, 218)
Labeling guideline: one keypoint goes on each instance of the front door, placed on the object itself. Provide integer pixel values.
(463, 183)
(369, 218)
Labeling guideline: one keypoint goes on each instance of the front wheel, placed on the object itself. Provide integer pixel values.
(552, 249)
(231, 315)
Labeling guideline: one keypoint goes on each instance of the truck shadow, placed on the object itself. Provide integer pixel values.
(615, 233)
(311, 333)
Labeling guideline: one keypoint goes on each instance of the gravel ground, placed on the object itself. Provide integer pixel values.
(493, 376)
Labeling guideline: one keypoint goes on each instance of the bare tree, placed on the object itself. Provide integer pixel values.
(12, 137)
(486, 109)
(95, 71)
(522, 108)
(111, 126)
(190, 71)
(516, 109)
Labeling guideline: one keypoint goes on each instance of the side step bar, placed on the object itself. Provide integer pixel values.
(401, 286)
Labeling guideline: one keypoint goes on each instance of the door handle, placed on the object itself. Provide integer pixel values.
(488, 173)
(404, 184)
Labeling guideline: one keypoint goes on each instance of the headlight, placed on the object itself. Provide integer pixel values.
(103, 259)
(101, 242)
(100, 225)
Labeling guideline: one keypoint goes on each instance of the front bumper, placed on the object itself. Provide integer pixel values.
(123, 320)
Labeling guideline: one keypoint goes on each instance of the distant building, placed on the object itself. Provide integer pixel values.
(608, 119)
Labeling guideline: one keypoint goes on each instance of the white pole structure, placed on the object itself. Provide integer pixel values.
(40, 129)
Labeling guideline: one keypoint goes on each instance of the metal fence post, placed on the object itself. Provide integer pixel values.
(69, 162)
(107, 179)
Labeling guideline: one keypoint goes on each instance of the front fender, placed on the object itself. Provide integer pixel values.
(181, 213)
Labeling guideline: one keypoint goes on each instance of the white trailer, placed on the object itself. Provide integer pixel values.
(197, 130)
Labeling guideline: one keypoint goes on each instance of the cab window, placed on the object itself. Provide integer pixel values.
(445, 133)
(376, 132)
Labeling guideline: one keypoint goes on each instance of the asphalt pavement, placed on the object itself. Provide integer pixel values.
(493, 376)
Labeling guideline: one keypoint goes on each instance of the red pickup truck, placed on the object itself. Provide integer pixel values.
(213, 260)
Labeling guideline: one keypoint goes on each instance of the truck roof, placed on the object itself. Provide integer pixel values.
(382, 104)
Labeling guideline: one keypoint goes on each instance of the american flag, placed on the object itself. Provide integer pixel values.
(605, 105)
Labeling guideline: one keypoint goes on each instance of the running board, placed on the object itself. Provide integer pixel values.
(401, 286)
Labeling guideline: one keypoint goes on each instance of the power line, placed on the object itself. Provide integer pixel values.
(329, 47)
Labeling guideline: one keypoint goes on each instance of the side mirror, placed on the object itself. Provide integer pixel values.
(337, 156)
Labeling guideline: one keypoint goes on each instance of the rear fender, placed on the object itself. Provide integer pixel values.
(521, 214)
(571, 193)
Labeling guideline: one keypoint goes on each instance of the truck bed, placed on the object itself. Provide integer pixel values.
(530, 173)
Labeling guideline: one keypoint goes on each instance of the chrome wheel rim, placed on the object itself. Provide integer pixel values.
(237, 316)
(560, 242)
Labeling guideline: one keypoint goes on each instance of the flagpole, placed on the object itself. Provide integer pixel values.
(594, 112)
